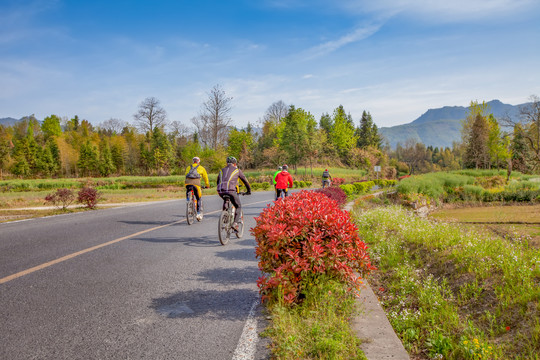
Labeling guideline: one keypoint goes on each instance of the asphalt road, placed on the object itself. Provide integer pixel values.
(134, 282)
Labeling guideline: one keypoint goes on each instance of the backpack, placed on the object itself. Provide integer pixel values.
(193, 174)
(325, 174)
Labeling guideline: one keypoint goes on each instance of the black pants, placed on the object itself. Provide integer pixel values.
(280, 191)
(199, 201)
(235, 201)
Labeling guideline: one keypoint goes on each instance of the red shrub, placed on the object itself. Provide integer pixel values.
(334, 193)
(337, 181)
(88, 196)
(62, 198)
(302, 236)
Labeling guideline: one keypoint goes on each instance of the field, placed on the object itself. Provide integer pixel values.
(511, 221)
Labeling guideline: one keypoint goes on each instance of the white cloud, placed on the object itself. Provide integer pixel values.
(358, 34)
(440, 11)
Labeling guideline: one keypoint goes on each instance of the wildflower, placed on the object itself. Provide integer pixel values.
(381, 289)
(508, 328)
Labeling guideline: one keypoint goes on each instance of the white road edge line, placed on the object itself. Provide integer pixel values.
(247, 345)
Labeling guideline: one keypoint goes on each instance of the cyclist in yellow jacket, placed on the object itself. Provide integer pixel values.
(194, 173)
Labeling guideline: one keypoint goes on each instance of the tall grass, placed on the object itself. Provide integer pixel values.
(318, 328)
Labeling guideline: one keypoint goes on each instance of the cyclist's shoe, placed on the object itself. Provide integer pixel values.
(235, 226)
(199, 216)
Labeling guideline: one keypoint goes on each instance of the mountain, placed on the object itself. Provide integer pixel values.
(440, 127)
(8, 121)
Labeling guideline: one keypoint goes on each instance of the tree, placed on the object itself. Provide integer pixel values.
(519, 151)
(466, 125)
(326, 123)
(413, 154)
(276, 112)
(88, 162)
(368, 133)
(497, 143)
(214, 118)
(5, 149)
(477, 151)
(112, 126)
(51, 126)
(342, 135)
(150, 115)
(293, 134)
(240, 145)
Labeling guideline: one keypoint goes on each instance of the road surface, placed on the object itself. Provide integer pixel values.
(134, 282)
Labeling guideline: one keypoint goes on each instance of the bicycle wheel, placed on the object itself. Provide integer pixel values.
(191, 212)
(240, 231)
(224, 231)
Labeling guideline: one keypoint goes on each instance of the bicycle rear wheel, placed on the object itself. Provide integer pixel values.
(191, 212)
(224, 230)
(240, 231)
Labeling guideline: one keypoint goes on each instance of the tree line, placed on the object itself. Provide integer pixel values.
(153, 145)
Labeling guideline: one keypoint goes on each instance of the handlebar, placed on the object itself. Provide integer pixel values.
(244, 193)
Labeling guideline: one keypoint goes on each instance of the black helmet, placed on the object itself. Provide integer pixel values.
(231, 160)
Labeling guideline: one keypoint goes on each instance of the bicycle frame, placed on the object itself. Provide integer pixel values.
(191, 207)
(226, 220)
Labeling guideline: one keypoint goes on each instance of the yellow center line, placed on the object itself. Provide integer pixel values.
(75, 254)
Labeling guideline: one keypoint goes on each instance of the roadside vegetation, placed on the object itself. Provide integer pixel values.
(453, 291)
(309, 250)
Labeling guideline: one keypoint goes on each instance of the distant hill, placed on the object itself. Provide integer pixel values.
(440, 127)
(8, 121)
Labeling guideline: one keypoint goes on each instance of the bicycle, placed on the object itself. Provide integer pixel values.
(191, 208)
(226, 220)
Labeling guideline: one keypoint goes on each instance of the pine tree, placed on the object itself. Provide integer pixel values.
(477, 151)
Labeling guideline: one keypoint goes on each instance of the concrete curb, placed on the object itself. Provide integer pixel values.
(379, 340)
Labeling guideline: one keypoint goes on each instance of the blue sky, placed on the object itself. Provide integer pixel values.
(394, 58)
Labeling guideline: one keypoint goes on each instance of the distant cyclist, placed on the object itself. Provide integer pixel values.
(283, 181)
(274, 180)
(326, 178)
(227, 184)
(194, 173)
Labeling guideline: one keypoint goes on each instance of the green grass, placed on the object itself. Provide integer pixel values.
(318, 328)
(454, 293)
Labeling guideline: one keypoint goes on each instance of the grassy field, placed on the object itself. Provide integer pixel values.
(457, 290)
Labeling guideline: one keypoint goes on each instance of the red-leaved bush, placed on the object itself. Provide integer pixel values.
(338, 181)
(334, 193)
(303, 236)
(62, 198)
(88, 196)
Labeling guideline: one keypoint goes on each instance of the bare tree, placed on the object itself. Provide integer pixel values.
(214, 118)
(150, 115)
(113, 126)
(275, 112)
(179, 129)
(530, 122)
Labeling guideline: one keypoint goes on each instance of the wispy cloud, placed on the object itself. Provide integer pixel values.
(356, 35)
(441, 11)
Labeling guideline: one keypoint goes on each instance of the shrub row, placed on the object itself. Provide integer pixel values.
(384, 182)
(357, 187)
(477, 193)
(335, 193)
(62, 198)
(302, 184)
(257, 186)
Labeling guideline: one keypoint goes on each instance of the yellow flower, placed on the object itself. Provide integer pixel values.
(465, 342)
